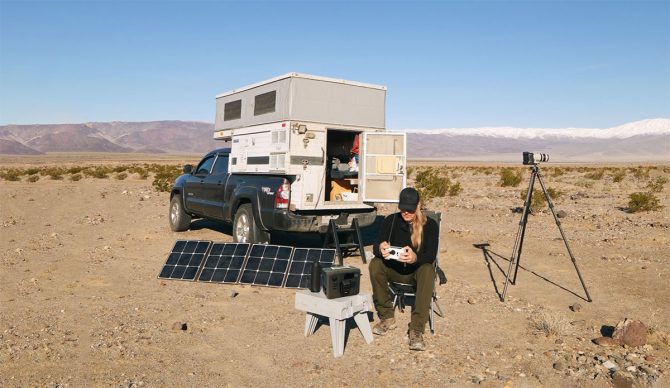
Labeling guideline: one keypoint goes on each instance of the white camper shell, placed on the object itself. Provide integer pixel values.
(305, 126)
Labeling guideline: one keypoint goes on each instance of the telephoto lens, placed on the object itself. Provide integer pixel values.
(315, 281)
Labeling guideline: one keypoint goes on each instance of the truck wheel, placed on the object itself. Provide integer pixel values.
(179, 219)
(245, 229)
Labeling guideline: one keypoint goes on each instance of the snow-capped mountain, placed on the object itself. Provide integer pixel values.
(658, 126)
(640, 141)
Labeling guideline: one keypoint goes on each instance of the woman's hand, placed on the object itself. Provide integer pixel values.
(407, 256)
(382, 248)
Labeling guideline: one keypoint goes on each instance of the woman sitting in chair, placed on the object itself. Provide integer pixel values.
(417, 236)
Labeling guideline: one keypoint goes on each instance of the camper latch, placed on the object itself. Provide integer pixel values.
(305, 163)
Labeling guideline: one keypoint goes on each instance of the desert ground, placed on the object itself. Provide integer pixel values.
(81, 303)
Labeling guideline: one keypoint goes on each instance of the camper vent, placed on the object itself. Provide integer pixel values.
(278, 162)
(279, 137)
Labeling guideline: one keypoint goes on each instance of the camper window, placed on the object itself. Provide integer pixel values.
(232, 110)
(265, 103)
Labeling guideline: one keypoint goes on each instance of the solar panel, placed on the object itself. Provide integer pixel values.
(266, 265)
(300, 270)
(185, 259)
(224, 263)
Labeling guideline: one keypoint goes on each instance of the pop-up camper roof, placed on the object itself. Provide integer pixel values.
(302, 97)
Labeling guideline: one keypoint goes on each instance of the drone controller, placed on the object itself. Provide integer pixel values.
(394, 252)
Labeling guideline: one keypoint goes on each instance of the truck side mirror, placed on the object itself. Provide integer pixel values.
(188, 169)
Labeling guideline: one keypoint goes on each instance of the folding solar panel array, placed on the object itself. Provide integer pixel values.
(257, 264)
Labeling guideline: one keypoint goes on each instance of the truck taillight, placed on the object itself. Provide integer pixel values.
(283, 195)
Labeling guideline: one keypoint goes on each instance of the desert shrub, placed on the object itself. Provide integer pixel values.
(11, 174)
(164, 176)
(656, 185)
(31, 171)
(121, 176)
(510, 177)
(455, 189)
(557, 171)
(488, 171)
(596, 174)
(141, 171)
(55, 173)
(584, 183)
(99, 172)
(641, 173)
(410, 170)
(618, 175)
(75, 170)
(75, 177)
(33, 178)
(538, 201)
(643, 202)
(119, 169)
(549, 324)
(431, 183)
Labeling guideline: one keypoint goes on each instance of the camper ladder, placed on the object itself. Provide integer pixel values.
(352, 237)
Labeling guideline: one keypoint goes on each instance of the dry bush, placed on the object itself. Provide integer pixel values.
(121, 176)
(584, 183)
(31, 171)
(643, 202)
(431, 183)
(618, 175)
(641, 173)
(75, 177)
(75, 170)
(100, 172)
(33, 178)
(455, 189)
(11, 174)
(538, 201)
(410, 170)
(656, 185)
(557, 171)
(654, 323)
(510, 177)
(164, 176)
(596, 174)
(549, 324)
(139, 170)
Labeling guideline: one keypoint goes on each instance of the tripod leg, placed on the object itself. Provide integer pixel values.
(518, 244)
(550, 203)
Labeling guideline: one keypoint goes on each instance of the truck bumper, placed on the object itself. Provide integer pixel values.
(290, 222)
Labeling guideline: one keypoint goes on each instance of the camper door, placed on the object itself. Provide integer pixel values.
(383, 172)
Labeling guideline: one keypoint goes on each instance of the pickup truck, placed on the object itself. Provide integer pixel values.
(256, 204)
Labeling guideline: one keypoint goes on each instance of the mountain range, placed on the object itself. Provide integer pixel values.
(640, 141)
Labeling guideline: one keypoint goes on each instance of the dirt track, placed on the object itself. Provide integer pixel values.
(81, 305)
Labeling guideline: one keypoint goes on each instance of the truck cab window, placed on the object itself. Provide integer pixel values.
(205, 166)
(221, 165)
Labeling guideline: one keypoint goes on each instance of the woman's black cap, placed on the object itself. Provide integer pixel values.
(409, 199)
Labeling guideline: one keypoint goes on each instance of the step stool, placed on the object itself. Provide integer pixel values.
(351, 234)
(338, 310)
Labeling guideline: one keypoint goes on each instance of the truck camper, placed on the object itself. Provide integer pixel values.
(323, 138)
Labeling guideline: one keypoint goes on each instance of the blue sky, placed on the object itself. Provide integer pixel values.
(446, 63)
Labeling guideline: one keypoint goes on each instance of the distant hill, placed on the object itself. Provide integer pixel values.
(117, 136)
(640, 141)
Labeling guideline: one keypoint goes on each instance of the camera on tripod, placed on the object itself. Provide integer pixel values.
(530, 158)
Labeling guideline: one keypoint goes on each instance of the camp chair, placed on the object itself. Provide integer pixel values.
(404, 294)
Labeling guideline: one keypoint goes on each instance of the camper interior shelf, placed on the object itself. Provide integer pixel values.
(339, 174)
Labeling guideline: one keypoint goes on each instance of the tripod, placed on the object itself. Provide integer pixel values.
(518, 245)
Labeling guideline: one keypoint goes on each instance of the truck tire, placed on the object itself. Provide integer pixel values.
(245, 229)
(179, 219)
